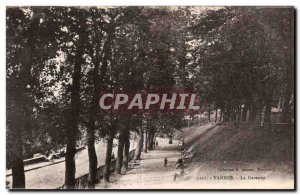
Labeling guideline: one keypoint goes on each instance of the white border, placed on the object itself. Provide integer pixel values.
(5, 3)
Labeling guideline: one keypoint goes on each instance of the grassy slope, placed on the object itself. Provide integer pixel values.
(210, 142)
(226, 146)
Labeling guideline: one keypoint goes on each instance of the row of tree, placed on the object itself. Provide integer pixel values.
(59, 59)
(244, 62)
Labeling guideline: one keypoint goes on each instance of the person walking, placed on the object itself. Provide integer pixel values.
(179, 164)
(166, 161)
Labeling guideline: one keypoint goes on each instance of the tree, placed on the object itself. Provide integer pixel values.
(96, 52)
(227, 59)
(77, 34)
(28, 46)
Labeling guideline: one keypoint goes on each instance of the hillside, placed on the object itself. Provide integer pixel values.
(237, 152)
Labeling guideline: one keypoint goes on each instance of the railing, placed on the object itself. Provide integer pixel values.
(34, 160)
(44, 158)
(82, 181)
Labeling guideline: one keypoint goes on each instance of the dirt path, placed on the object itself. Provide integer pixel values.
(149, 172)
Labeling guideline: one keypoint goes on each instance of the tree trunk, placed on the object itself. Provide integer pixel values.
(227, 114)
(72, 132)
(154, 139)
(108, 156)
(17, 164)
(70, 165)
(120, 152)
(18, 173)
(126, 157)
(267, 118)
(238, 114)
(244, 113)
(152, 143)
(72, 128)
(233, 114)
(216, 116)
(252, 114)
(138, 149)
(93, 163)
(71, 150)
(145, 142)
(285, 116)
(150, 140)
(16, 124)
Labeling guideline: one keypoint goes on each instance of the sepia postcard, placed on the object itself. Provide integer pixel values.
(150, 98)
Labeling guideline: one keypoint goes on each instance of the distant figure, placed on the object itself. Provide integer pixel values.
(179, 164)
(181, 174)
(156, 143)
(166, 161)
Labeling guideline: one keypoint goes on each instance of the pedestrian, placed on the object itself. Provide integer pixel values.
(156, 143)
(179, 164)
(166, 161)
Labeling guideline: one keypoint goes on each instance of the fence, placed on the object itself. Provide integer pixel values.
(44, 158)
(82, 181)
(34, 160)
